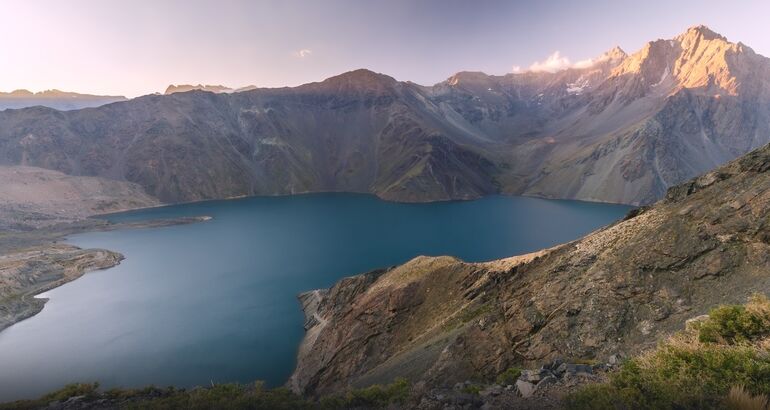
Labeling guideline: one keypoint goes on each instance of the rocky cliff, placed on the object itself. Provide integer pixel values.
(617, 290)
(621, 128)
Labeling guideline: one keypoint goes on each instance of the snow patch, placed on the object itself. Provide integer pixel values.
(578, 86)
(663, 77)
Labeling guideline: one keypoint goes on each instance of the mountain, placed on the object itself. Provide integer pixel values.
(182, 88)
(60, 100)
(627, 127)
(359, 132)
(440, 321)
(618, 128)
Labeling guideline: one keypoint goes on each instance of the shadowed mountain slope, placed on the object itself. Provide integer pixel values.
(621, 128)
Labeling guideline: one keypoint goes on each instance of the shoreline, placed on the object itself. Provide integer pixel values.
(35, 262)
(306, 193)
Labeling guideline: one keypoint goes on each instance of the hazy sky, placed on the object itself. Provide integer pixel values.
(135, 47)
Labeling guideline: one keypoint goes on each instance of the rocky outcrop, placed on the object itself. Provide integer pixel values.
(440, 321)
(621, 128)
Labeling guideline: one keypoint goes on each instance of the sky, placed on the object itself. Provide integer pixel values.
(137, 47)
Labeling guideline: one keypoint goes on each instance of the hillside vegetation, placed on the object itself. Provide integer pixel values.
(719, 361)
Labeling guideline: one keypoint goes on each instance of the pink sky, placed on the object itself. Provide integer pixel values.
(139, 47)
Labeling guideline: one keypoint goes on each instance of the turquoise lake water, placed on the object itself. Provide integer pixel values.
(216, 301)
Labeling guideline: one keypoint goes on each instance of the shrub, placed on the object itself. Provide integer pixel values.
(72, 390)
(472, 389)
(737, 324)
(376, 396)
(86, 390)
(509, 376)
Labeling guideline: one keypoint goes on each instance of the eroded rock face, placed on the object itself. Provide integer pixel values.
(616, 291)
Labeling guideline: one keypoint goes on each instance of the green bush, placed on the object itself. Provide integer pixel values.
(370, 397)
(736, 323)
(509, 376)
(229, 396)
(472, 389)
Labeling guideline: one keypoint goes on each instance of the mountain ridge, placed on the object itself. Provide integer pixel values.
(618, 128)
(53, 98)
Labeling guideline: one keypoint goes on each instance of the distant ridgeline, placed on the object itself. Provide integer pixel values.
(622, 128)
(60, 100)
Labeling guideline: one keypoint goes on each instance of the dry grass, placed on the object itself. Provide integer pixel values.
(741, 399)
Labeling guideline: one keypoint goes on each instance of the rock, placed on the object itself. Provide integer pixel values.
(525, 388)
(534, 376)
(581, 369)
(614, 360)
(547, 381)
(693, 323)
(552, 366)
(573, 369)
(493, 390)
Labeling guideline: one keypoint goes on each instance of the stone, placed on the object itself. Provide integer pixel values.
(693, 323)
(525, 388)
(574, 369)
(614, 360)
(534, 376)
(552, 366)
(547, 381)
(493, 390)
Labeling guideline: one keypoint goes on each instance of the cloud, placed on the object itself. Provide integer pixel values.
(516, 69)
(556, 62)
(303, 53)
(584, 63)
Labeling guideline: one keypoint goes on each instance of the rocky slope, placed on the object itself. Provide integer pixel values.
(616, 291)
(622, 128)
(33, 197)
(60, 100)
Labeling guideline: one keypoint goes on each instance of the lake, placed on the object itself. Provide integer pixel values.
(216, 301)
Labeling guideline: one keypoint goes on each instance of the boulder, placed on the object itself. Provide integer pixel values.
(525, 388)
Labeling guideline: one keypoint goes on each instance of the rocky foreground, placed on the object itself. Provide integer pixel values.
(438, 321)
